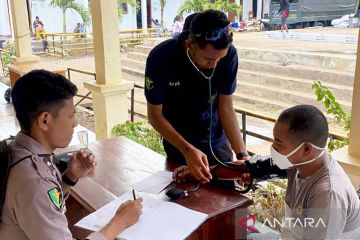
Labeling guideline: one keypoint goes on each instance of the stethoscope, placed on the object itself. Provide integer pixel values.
(209, 78)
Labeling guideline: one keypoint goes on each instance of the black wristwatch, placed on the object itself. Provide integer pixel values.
(67, 180)
(241, 155)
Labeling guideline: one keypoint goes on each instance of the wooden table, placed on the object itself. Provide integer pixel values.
(19, 69)
(122, 162)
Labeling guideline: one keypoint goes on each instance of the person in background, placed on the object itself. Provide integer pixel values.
(82, 30)
(284, 10)
(39, 29)
(156, 26)
(77, 30)
(177, 27)
(36, 191)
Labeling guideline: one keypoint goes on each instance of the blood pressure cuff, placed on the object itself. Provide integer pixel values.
(264, 169)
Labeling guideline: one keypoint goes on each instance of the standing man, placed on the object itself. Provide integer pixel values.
(36, 191)
(189, 85)
(284, 10)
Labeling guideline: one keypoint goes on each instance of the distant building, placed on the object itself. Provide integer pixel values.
(148, 9)
(52, 17)
(257, 8)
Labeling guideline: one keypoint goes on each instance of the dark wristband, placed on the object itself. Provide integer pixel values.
(241, 155)
(66, 180)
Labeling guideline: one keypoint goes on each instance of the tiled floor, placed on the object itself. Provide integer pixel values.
(10, 126)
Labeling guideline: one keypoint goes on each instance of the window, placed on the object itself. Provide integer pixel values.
(124, 8)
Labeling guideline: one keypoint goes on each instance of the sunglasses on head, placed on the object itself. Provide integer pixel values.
(215, 34)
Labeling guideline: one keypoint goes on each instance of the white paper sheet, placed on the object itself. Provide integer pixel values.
(155, 183)
(160, 220)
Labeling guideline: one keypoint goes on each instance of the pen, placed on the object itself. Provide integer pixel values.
(134, 194)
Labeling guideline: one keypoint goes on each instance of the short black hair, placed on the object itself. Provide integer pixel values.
(207, 21)
(40, 91)
(187, 22)
(306, 124)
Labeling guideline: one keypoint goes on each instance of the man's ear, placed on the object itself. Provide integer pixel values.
(189, 42)
(43, 121)
(308, 148)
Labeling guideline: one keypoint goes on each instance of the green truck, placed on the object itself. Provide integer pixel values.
(309, 13)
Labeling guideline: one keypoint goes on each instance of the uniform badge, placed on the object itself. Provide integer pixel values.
(298, 210)
(55, 197)
(213, 98)
(149, 83)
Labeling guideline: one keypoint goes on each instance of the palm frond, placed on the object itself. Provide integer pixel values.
(193, 6)
(83, 12)
(225, 6)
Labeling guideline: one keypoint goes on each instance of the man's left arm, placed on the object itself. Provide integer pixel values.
(230, 124)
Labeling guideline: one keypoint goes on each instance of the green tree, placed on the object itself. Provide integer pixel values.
(65, 5)
(132, 3)
(325, 95)
(193, 6)
(162, 6)
(200, 5)
(225, 6)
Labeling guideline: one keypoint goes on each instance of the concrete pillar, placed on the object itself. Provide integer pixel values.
(110, 106)
(144, 14)
(354, 149)
(21, 32)
(349, 156)
(109, 92)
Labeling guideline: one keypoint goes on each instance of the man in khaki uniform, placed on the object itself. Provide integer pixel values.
(36, 191)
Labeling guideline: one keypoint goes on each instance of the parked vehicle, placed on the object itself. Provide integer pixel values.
(309, 13)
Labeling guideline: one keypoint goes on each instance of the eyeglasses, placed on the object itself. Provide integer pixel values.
(215, 34)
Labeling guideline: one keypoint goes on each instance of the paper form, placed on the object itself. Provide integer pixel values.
(155, 183)
(159, 220)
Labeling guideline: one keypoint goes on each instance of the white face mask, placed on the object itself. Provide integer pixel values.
(283, 162)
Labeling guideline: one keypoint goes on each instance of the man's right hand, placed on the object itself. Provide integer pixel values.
(129, 212)
(198, 164)
(126, 215)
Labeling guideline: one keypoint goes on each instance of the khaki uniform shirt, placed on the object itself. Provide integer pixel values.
(322, 206)
(35, 203)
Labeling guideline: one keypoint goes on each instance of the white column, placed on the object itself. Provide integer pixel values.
(109, 92)
(21, 32)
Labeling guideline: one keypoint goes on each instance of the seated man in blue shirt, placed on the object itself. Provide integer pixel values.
(189, 85)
